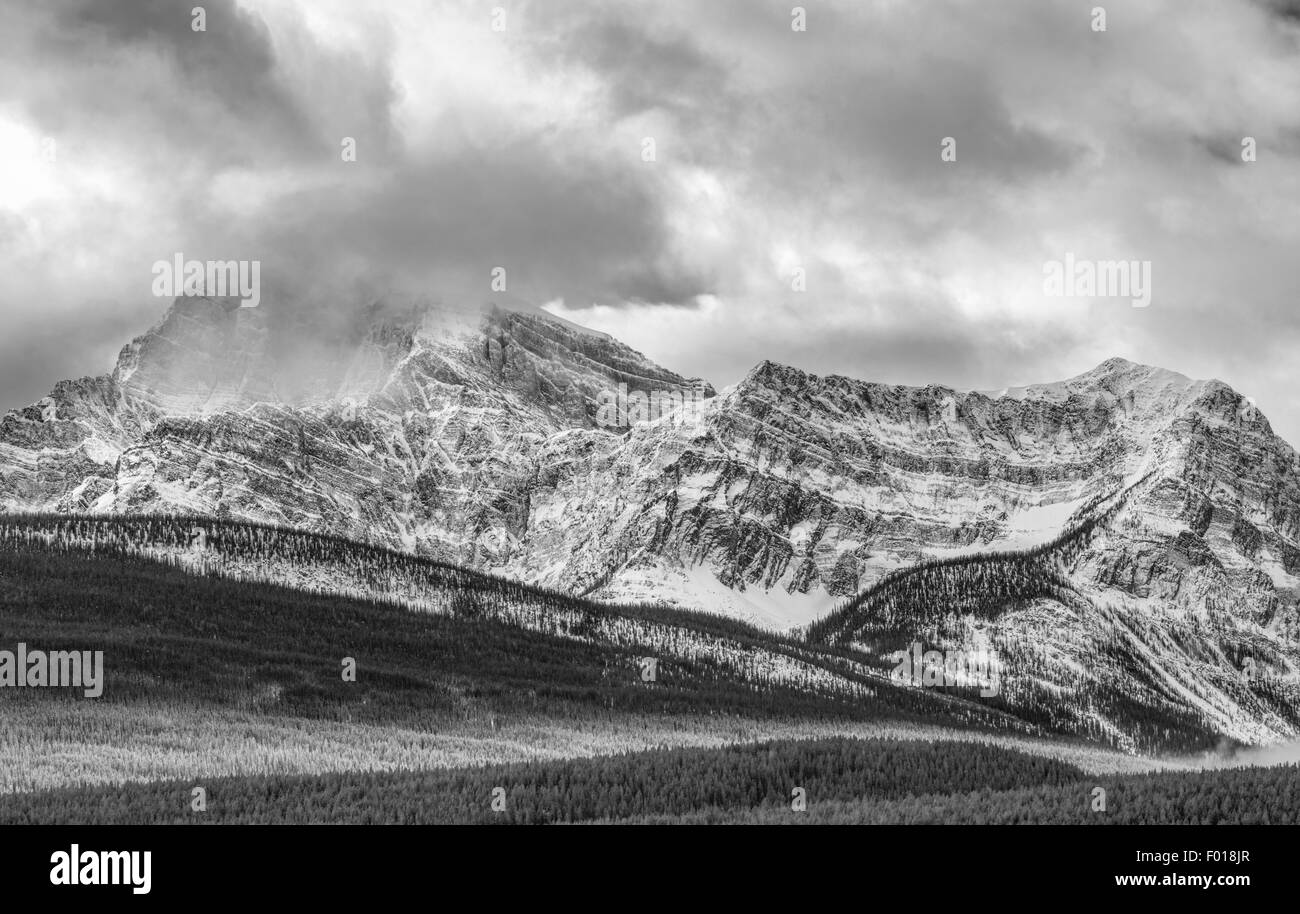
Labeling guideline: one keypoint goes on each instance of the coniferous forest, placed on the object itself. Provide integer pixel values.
(839, 781)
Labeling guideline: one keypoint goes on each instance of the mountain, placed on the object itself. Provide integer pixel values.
(483, 438)
(423, 432)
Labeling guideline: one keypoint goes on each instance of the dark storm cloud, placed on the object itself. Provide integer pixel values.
(142, 76)
(841, 115)
(1226, 149)
(881, 133)
(232, 63)
(578, 229)
(1285, 9)
(644, 70)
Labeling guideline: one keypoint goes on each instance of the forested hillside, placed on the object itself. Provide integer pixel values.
(982, 585)
(147, 587)
(1146, 677)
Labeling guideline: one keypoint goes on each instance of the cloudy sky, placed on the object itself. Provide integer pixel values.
(126, 137)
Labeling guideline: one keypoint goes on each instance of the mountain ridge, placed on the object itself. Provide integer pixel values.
(879, 430)
(475, 438)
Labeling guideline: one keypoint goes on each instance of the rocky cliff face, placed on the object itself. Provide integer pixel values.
(425, 432)
(477, 437)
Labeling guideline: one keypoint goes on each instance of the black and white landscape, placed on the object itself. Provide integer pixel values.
(644, 413)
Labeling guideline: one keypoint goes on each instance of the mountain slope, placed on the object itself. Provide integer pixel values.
(474, 438)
